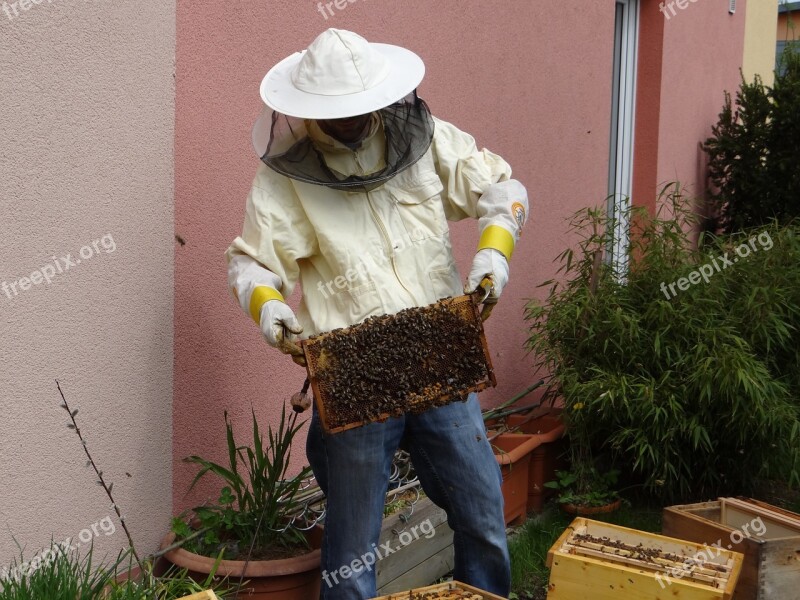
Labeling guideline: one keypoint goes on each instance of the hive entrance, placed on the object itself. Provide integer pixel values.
(417, 359)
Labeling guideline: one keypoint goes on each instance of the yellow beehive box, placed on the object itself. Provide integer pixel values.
(452, 589)
(208, 595)
(608, 562)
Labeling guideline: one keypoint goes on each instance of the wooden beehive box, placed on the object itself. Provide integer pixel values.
(457, 592)
(769, 538)
(208, 595)
(600, 561)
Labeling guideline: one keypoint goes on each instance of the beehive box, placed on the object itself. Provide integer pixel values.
(600, 561)
(452, 590)
(207, 595)
(769, 538)
(389, 365)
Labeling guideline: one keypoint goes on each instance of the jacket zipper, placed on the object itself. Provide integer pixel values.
(376, 217)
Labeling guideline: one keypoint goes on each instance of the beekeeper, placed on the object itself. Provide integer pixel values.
(352, 200)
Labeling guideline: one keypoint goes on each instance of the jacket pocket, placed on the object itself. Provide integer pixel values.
(420, 208)
(446, 282)
(358, 303)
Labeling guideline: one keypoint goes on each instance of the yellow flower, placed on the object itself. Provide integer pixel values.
(577, 406)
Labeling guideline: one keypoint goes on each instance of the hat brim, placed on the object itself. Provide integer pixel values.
(406, 71)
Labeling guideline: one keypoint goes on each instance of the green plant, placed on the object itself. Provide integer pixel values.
(585, 487)
(691, 394)
(753, 152)
(174, 584)
(63, 574)
(57, 574)
(251, 518)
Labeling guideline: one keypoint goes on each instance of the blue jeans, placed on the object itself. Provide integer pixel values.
(457, 470)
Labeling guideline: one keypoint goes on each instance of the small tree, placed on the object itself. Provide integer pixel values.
(754, 152)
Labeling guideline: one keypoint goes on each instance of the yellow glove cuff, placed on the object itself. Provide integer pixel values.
(499, 239)
(261, 295)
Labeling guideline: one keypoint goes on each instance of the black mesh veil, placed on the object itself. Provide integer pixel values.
(284, 144)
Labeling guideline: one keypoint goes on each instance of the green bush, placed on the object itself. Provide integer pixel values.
(754, 152)
(63, 574)
(694, 393)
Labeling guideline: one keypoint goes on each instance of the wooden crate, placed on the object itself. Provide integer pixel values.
(442, 587)
(599, 569)
(771, 567)
(425, 559)
(208, 595)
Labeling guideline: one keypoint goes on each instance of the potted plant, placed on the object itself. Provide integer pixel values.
(513, 453)
(253, 524)
(545, 429)
(586, 492)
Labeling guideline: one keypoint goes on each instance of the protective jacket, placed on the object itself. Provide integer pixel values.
(358, 254)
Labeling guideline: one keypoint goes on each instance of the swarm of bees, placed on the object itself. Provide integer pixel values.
(656, 556)
(417, 359)
(448, 593)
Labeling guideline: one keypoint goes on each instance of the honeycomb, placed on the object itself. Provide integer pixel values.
(409, 362)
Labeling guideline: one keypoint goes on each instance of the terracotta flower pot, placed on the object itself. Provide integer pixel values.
(513, 454)
(295, 578)
(586, 511)
(548, 447)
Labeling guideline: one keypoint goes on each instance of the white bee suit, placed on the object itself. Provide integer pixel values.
(364, 253)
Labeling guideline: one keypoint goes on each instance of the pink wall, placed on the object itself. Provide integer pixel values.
(530, 81)
(703, 51)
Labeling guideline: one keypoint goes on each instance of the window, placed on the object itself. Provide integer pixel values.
(620, 175)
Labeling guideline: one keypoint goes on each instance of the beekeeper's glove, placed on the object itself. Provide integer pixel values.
(276, 319)
(256, 289)
(492, 264)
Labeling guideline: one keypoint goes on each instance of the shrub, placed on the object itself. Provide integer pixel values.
(688, 392)
(754, 151)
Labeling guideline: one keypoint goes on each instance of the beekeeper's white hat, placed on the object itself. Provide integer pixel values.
(341, 75)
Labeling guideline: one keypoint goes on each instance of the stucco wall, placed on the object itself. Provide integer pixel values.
(788, 25)
(759, 44)
(86, 97)
(530, 80)
(703, 50)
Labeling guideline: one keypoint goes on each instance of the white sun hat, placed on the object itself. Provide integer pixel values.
(341, 75)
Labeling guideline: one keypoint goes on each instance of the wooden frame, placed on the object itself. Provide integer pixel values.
(207, 595)
(489, 381)
(771, 565)
(441, 587)
(603, 571)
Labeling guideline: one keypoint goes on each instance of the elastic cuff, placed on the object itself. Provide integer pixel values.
(261, 295)
(497, 238)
